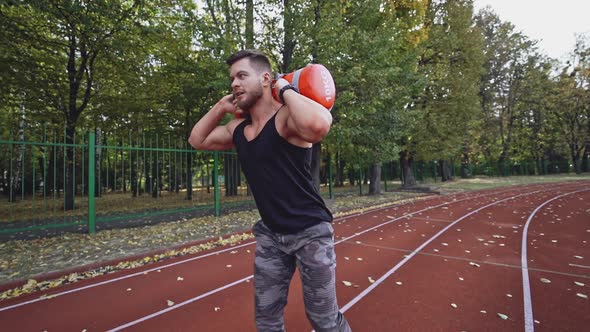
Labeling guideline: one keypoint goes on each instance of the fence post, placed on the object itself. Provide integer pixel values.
(91, 184)
(216, 188)
(360, 181)
(384, 175)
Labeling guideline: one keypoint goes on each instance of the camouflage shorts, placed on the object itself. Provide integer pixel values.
(277, 256)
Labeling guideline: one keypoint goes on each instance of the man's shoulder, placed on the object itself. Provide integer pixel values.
(233, 124)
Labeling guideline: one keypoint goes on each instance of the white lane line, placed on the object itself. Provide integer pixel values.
(582, 266)
(242, 245)
(123, 277)
(74, 290)
(158, 313)
(366, 291)
(176, 306)
(460, 258)
(529, 323)
(446, 221)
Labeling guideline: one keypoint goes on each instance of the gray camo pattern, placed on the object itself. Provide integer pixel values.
(277, 256)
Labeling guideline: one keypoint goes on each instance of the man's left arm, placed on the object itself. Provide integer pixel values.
(306, 118)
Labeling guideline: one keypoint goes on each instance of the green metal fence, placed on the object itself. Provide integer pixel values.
(112, 184)
(95, 182)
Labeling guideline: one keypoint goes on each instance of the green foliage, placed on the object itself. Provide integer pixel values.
(451, 62)
(426, 76)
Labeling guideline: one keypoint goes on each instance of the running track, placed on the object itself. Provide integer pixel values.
(511, 259)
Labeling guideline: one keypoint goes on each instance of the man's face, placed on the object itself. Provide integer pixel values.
(246, 84)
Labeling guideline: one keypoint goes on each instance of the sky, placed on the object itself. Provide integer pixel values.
(553, 23)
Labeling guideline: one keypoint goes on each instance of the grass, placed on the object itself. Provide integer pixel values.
(479, 183)
(37, 208)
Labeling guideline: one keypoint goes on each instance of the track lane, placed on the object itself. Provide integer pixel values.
(559, 234)
(244, 295)
(352, 230)
(430, 295)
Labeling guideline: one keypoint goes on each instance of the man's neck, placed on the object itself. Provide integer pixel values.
(264, 109)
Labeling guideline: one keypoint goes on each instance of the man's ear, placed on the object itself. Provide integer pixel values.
(266, 79)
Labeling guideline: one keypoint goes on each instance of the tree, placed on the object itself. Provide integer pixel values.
(451, 62)
(370, 48)
(64, 40)
(506, 59)
(571, 108)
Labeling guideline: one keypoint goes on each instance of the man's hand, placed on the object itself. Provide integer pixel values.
(229, 104)
(207, 134)
(279, 84)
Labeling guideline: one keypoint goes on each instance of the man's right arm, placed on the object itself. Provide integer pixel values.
(207, 134)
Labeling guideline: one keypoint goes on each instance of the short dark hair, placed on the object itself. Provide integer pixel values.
(257, 59)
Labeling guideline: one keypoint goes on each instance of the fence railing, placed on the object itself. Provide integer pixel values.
(77, 186)
(92, 183)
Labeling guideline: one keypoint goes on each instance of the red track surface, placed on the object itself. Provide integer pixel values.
(449, 263)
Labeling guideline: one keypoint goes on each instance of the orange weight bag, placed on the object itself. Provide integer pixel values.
(315, 82)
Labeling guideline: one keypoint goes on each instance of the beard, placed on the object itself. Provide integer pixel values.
(249, 99)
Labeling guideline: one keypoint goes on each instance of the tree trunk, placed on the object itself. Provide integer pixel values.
(189, 176)
(288, 39)
(69, 181)
(502, 169)
(122, 156)
(445, 171)
(231, 172)
(249, 23)
(375, 178)
(133, 178)
(406, 161)
(465, 171)
(16, 173)
(156, 180)
(576, 154)
(340, 164)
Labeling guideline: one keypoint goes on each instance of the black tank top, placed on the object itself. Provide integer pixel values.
(279, 176)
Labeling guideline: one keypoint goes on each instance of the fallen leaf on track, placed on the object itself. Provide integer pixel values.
(504, 317)
(170, 303)
(371, 280)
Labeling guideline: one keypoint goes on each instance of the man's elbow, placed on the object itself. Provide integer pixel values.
(318, 131)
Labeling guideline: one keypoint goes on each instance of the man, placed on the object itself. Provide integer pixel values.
(273, 141)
